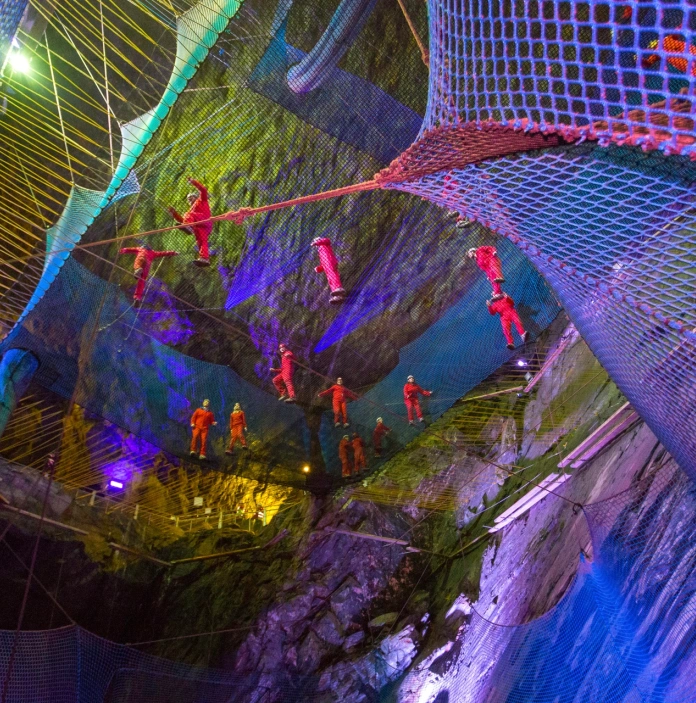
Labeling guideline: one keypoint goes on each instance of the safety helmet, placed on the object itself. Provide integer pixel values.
(379, 419)
(410, 378)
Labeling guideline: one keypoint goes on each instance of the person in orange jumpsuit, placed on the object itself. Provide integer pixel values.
(359, 462)
(340, 396)
(283, 380)
(343, 455)
(378, 435)
(672, 44)
(198, 212)
(487, 260)
(201, 420)
(502, 304)
(144, 256)
(411, 391)
(237, 427)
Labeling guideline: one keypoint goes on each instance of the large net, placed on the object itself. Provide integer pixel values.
(215, 333)
(622, 631)
(611, 228)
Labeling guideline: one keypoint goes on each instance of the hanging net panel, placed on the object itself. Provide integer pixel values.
(610, 225)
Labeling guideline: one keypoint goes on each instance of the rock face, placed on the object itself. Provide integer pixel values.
(328, 615)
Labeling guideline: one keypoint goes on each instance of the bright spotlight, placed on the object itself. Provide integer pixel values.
(115, 484)
(19, 62)
(521, 362)
(305, 468)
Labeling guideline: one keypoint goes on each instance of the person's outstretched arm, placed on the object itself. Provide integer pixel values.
(200, 188)
(173, 212)
(158, 254)
(129, 250)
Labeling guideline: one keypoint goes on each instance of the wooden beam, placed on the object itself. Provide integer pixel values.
(605, 433)
(135, 553)
(377, 538)
(493, 395)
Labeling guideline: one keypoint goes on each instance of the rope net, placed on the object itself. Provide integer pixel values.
(620, 632)
(214, 332)
(611, 227)
(622, 72)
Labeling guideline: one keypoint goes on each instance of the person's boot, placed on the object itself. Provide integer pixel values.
(290, 400)
(421, 419)
(200, 261)
(412, 423)
(511, 346)
(202, 457)
(345, 424)
(228, 451)
(282, 397)
(193, 453)
(337, 424)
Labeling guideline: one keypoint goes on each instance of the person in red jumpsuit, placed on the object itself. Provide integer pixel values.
(283, 380)
(378, 435)
(237, 427)
(340, 396)
(502, 304)
(359, 462)
(328, 264)
(201, 421)
(198, 212)
(487, 260)
(343, 455)
(144, 256)
(411, 391)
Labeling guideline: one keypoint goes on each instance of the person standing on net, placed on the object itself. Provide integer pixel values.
(144, 256)
(201, 421)
(502, 304)
(359, 462)
(487, 260)
(343, 455)
(378, 434)
(340, 396)
(237, 428)
(199, 212)
(283, 380)
(411, 391)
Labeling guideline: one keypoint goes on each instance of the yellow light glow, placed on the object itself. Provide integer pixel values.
(19, 62)
(305, 469)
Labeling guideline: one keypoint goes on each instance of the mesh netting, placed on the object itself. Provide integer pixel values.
(623, 631)
(615, 71)
(405, 313)
(611, 229)
(71, 665)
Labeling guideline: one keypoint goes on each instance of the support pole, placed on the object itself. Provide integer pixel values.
(17, 368)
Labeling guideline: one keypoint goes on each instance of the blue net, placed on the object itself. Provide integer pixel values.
(610, 227)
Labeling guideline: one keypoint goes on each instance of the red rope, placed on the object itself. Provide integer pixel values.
(238, 216)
